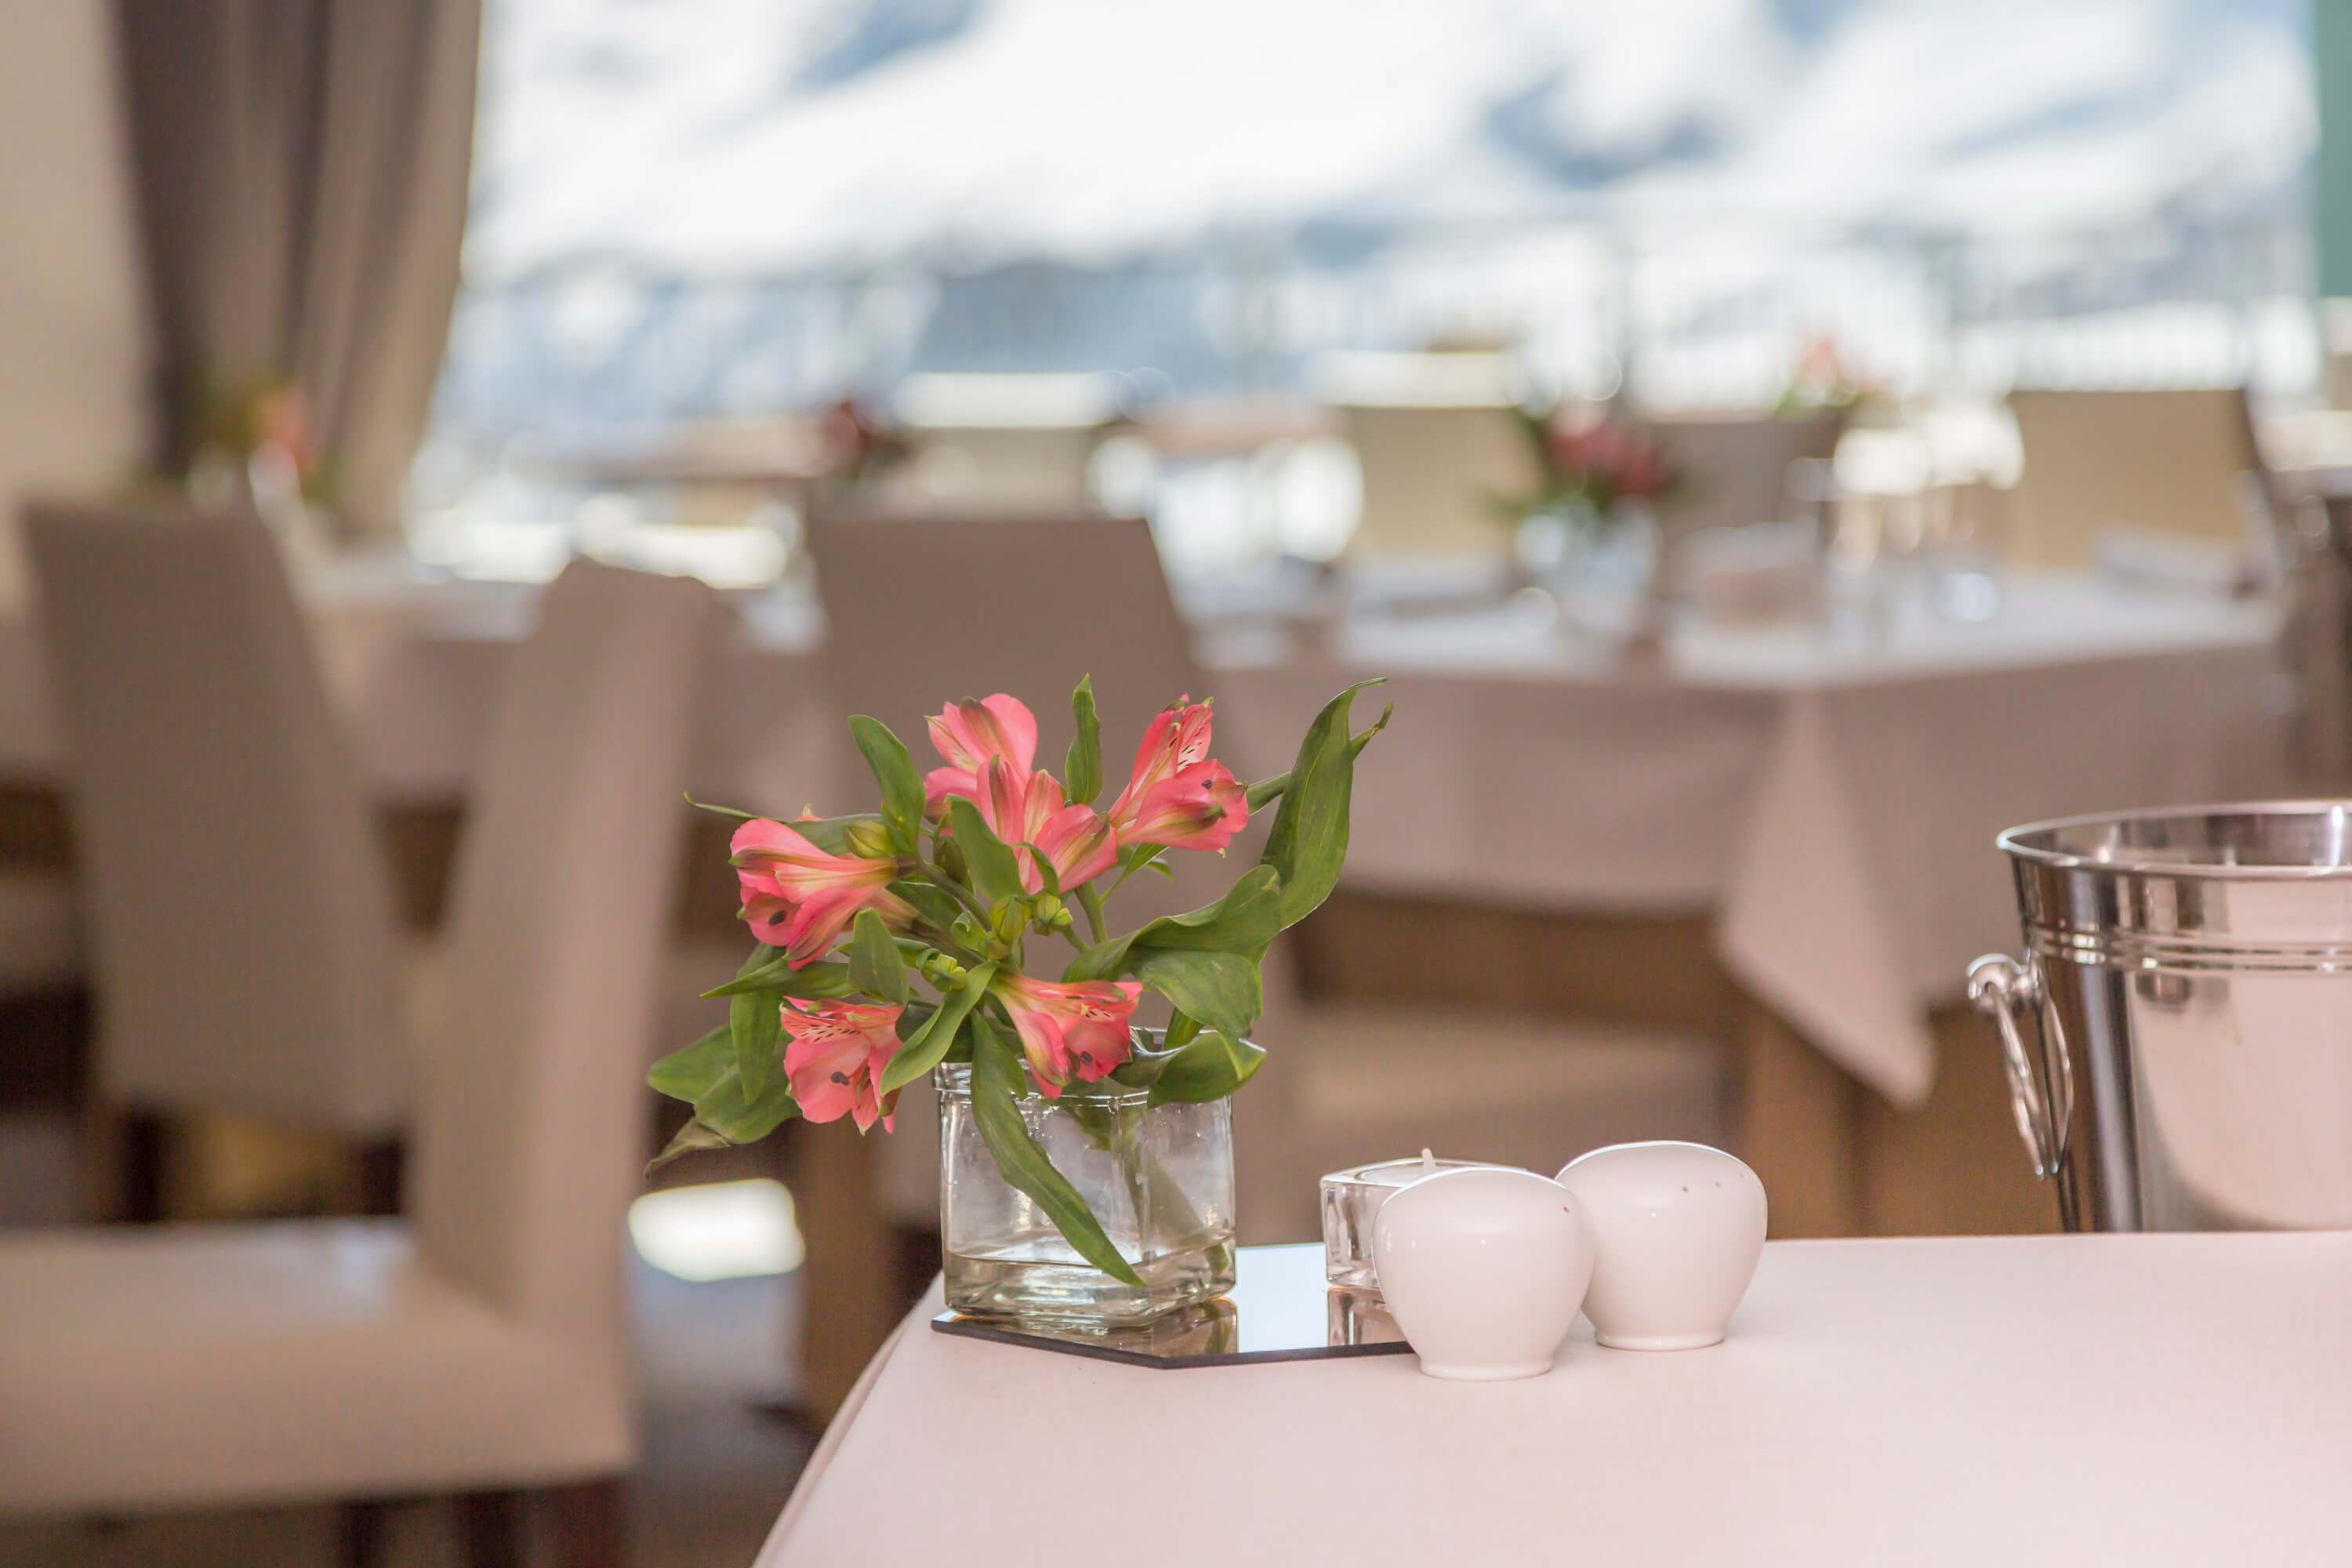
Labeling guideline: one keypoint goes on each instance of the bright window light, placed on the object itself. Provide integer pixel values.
(725, 1230)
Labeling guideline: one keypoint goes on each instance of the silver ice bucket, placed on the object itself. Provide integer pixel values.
(2188, 980)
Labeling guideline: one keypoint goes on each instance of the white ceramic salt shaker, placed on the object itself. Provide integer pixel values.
(1677, 1229)
(1484, 1270)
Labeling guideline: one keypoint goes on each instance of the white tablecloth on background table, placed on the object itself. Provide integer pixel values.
(2152, 1400)
(1833, 806)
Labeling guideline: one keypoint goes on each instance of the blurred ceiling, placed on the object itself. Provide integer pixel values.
(738, 136)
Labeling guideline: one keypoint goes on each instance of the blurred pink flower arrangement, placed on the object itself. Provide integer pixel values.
(858, 446)
(1823, 382)
(264, 427)
(1589, 468)
(959, 885)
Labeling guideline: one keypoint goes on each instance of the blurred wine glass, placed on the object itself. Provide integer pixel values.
(1963, 530)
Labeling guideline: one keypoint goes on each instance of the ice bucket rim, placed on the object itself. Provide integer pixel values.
(2012, 841)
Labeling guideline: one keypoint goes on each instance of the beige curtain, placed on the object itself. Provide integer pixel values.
(301, 169)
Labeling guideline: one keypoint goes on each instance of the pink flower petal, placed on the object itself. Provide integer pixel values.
(1204, 807)
(968, 733)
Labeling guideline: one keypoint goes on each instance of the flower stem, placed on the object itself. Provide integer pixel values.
(1090, 900)
(1133, 867)
(954, 890)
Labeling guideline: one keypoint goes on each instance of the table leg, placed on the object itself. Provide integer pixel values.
(1799, 1121)
(850, 1301)
(1953, 1166)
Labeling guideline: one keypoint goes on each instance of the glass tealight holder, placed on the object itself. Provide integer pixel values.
(1351, 1202)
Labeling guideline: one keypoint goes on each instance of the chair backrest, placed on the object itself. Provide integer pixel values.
(1431, 475)
(237, 897)
(923, 610)
(1735, 467)
(966, 466)
(530, 1120)
(2165, 461)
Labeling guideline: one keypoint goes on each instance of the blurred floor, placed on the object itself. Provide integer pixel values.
(712, 1478)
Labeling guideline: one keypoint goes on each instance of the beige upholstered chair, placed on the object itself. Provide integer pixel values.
(1026, 607)
(1437, 440)
(2162, 462)
(479, 1347)
(1428, 473)
(1002, 441)
(240, 910)
(40, 932)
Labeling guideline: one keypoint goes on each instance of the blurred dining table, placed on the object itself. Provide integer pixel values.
(1826, 797)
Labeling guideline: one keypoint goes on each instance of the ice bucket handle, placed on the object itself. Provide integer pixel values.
(2005, 989)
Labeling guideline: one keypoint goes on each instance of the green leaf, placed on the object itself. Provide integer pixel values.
(690, 1073)
(744, 1118)
(997, 1081)
(821, 979)
(995, 874)
(1309, 841)
(1223, 990)
(831, 833)
(1242, 922)
(1211, 1066)
(1082, 764)
(754, 1028)
(875, 967)
(1267, 791)
(704, 1075)
(934, 905)
(720, 811)
(755, 1021)
(929, 1048)
(1136, 856)
(691, 1138)
(902, 791)
(1179, 1031)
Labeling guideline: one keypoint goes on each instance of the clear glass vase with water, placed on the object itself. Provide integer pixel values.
(1160, 1178)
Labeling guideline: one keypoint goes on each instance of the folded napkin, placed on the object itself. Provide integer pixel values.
(2143, 558)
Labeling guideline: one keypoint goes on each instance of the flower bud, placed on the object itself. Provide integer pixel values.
(1047, 912)
(870, 840)
(1008, 921)
(951, 858)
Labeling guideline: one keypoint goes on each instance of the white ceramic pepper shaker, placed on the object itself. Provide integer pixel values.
(1677, 1229)
(1484, 1270)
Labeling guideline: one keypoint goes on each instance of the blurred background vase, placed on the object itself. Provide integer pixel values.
(1601, 566)
(1160, 1178)
(1575, 545)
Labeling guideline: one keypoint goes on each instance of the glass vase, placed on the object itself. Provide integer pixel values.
(1158, 1177)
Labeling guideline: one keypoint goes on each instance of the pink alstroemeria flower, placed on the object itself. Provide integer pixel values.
(1202, 807)
(1177, 737)
(968, 734)
(801, 898)
(1076, 839)
(1078, 1029)
(836, 1058)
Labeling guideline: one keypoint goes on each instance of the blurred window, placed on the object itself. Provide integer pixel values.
(712, 211)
